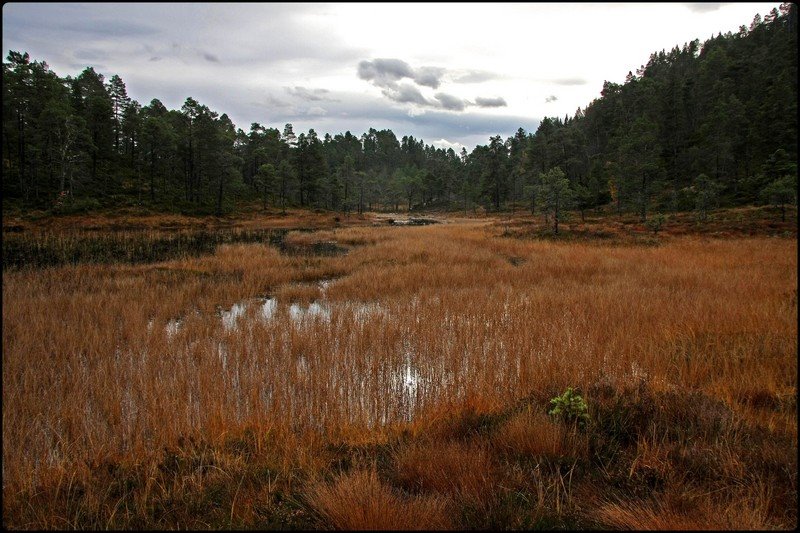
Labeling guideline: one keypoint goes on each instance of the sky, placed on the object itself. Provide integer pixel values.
(451, 74)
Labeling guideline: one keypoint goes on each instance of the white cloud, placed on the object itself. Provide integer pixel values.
(445, 144)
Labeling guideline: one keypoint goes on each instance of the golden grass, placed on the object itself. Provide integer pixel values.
(462, 470)
(359, 501)
(532, 433)
(688, 512)
(116, 363)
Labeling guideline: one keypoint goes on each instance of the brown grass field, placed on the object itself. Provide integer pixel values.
(406, 383)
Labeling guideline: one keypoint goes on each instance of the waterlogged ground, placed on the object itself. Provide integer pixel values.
(240, 318)
(684, 347)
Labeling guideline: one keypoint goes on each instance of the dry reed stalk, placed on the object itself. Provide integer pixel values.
(114, 362)
(359, 501)
(464, 471)
(531, 433)
(696, 513)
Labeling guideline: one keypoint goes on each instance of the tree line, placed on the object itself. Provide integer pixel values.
(698, 126)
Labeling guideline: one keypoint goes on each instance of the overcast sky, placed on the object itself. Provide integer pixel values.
(452, 74)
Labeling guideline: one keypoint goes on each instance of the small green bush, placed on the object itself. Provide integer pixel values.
(570, 407)
(655, 223)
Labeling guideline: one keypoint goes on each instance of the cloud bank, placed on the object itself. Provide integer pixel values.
(389, 75)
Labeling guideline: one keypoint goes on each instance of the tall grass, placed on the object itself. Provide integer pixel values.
(359, 501)
(423, 323)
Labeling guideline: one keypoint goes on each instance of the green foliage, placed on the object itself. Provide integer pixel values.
(570, 407)
(655, 223)
(555, 194)
(266, 180)
(410, 181)
(706, 191)
(780, 192)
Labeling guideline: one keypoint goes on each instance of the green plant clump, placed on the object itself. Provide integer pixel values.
(570, 407)
(656, 222)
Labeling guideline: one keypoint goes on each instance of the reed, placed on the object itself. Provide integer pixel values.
(359, 501)
(686, 352)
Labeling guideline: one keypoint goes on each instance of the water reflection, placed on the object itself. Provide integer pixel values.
(300, 314)
(406, 376)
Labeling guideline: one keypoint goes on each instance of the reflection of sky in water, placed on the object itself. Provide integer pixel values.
(229, 317)
(268, 308)
(298, 313)
(173, 326)
(406, 379)
(314, 309)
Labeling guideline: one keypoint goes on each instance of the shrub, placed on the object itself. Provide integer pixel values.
(655, 223)
(570, 407)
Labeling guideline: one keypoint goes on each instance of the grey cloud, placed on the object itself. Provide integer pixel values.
(386, 72)
(357, 114)
(448, 101)
(453, 126)
(311, 95)
(271, 101)
(109, 27)
(256, 36)
(551, 98)
(90, 55)
(405, 93)
(436, 124)
(316, 111)
(184, 53)
(570, 81)
(81, 66)
(704, 7)
(264, 38)
(429, 76)
(474, 76)
(490, 102)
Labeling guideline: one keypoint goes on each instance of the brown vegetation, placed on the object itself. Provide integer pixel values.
(359, 501)
(405, 383)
